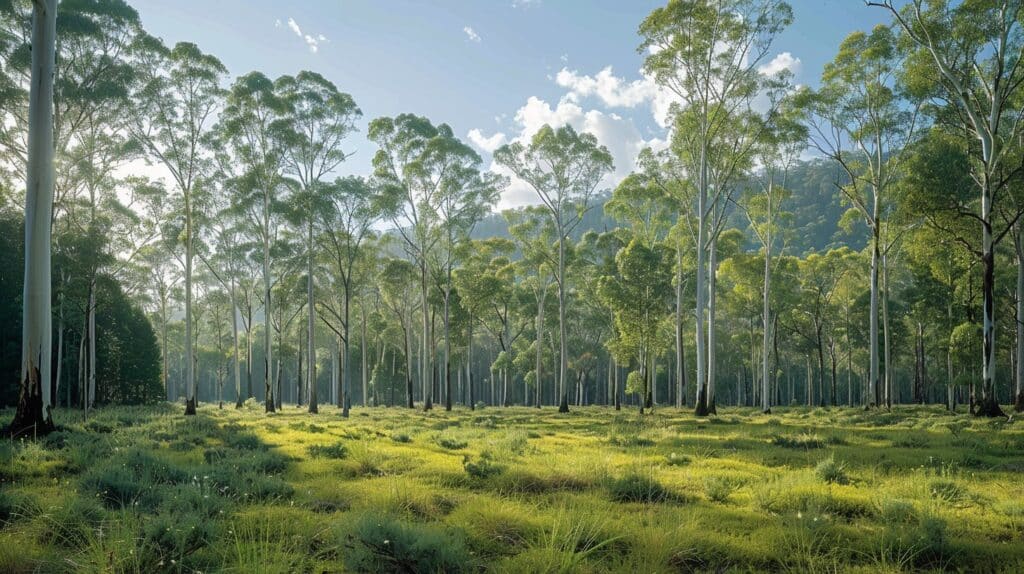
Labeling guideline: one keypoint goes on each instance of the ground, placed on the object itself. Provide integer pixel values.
(514, 490)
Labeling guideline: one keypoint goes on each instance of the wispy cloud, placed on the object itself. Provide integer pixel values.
(312, 42)
(471, 34)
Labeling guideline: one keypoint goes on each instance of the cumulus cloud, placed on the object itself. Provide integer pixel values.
(783, 61)
(619, 134)
(612, 90)
(617, 92)
(471, 34)
(486, 143)
(312, 42)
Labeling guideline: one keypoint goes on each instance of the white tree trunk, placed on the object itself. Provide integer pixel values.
(712, 281)
(311, 326)
(701, 285)
(1018, 396)
(563, 359)
(34, 400)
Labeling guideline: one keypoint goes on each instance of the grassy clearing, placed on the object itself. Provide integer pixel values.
(514, 490)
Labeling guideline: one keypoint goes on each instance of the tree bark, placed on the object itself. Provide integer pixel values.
(32, 416)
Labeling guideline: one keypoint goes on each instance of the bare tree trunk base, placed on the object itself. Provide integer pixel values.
(563, 406)
(238, 403)
(766, 411)
(713, 409)
(989, 407)
(28, 420)
(190, 407)
(313, 409)
(428, 405)
(1018, 405)
(268, 405)
(701, 408)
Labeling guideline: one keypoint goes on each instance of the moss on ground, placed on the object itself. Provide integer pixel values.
(514, 490)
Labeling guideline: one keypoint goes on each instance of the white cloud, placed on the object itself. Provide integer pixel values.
(783, 61)
(487, 143)
(617, 92)
(471, 34)
(613, 91)
(524, 3)
(619, 134)
(312, 42)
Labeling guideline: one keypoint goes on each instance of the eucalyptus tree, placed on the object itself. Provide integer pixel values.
(488, 292)
(643, 205)
(162, 281)
(228, 256)
(464, 197)
(592, 325)
(859, 105)
(707, 54)
(34, 402)
(969, 57)
(176, 101)
(253, 127)
(418, 169)
(776, 153)
(344, 232)
(939, 190)
(564, 168)
(319, 121)
(533, 232)
(639, 296)
(398, 279)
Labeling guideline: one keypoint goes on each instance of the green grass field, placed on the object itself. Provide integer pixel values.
(514, 490)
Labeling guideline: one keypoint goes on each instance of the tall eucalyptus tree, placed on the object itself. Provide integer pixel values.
(707, 54)
(33, 413)
(176, 103)
(564, 168)
(254, 127)
(319, 121)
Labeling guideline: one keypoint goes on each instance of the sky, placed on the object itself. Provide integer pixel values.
(494, 70)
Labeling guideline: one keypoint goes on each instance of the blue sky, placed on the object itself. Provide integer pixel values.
(492, 69)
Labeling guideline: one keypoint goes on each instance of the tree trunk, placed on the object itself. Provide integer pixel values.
(314, 406)
(701, 408)
(237, 358)
(362, 352)
(538, 379)
(563, 405)
(873, 399)
(447, 348)
(1018, 403)
(887, 339)
(268, 403)
(712, 308)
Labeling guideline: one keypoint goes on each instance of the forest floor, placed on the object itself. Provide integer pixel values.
(514, 490)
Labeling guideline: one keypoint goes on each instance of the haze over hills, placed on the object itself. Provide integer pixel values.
(814, 206)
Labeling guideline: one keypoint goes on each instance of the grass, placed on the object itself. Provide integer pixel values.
(514, 490)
